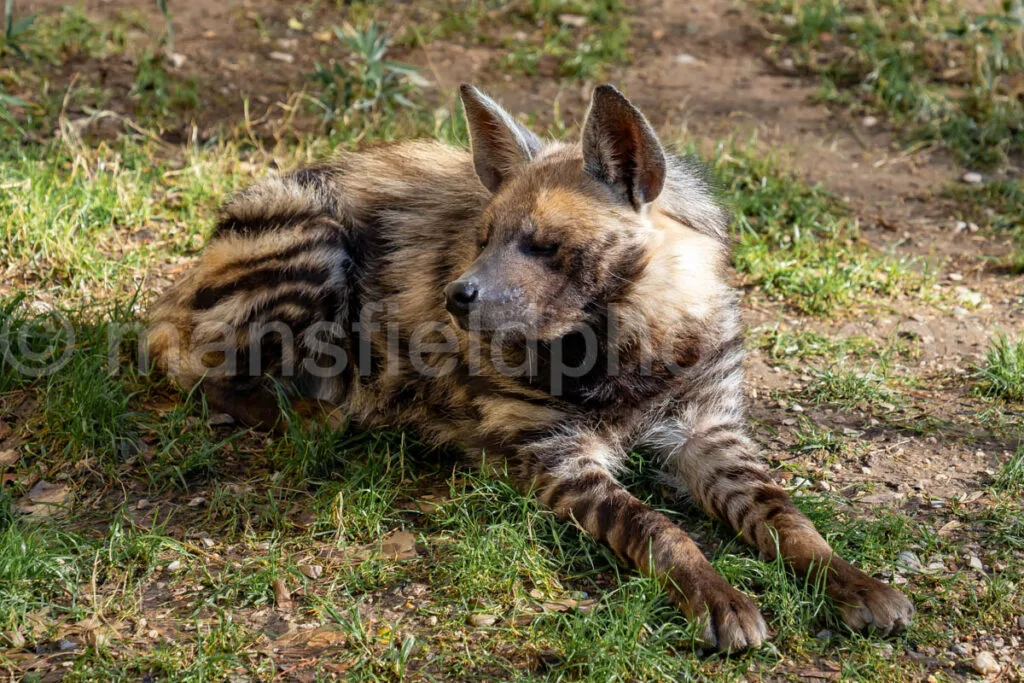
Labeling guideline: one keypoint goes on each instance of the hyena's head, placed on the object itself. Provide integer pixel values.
(568, 228)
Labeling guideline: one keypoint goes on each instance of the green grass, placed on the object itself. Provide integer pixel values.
(1001, 375)
(944, 74)
(798, 243)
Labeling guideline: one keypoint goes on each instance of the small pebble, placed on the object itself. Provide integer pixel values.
(869, 121)
(174, 566)
(481, 619)
(908, 560)
(972, 178)
(312, 571)
(985, 663)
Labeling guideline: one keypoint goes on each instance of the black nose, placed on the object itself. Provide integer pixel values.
(459, 295)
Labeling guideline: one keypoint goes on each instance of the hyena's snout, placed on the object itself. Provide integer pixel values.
(486, 299)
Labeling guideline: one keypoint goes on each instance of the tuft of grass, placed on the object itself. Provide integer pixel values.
(1002, 373)
(936, 68)
(798, 244)
(365, 86)
(1011, 474)
(843, 387)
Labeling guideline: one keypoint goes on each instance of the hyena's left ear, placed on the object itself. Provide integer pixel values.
(620, 148)
(500, 143)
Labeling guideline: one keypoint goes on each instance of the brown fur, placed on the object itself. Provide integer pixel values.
(607, 256)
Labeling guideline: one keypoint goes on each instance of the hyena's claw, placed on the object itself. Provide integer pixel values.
(733, 622)
(867, 604)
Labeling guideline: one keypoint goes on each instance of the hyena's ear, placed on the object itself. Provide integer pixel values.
(620, 148)
(499, 142)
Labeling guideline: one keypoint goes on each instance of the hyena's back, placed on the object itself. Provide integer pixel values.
(293, 259)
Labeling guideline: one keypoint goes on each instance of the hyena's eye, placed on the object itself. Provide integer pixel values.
(542, 249)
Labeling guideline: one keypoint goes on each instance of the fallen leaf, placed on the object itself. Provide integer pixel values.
(45, 499)
(399, 545)
(948, 528)
(479, 620)
(49, 494)
(282, 596)
(9, 457)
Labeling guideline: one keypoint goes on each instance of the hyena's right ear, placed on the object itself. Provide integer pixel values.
(499, 142)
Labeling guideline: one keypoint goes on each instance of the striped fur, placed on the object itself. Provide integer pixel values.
(608, 258)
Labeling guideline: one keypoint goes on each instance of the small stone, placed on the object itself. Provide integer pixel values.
(909, 560)
(574, 20)
(431, 621)
(174, 566)
(972, 178)
(221, 419)
(823, 485)
(176, 59)
(207, 541)
(684, 58)
(312, 571)
(1020, 621)
(869, 122)
(479, 620)
(985, 663)
(956, 277)
(975, 563)
(824, 635)
(196, 502)
(285, 57)
(961, 649)
(143, 504)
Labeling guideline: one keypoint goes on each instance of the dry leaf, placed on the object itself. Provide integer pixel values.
(399, 545)
(49, 494)
(45, 499)
(481, 619)
(9, 457)
(948, 528)
(282, 596)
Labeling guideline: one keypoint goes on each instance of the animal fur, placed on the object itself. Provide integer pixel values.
(555, 305)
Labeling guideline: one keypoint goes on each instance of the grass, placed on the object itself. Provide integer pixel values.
(799, 244)
(940, 71)
(167, 556)
(1001, 375)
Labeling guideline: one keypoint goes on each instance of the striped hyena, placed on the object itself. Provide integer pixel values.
(550, 305)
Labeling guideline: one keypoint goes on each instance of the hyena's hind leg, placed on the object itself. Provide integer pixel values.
(571, 477)
(709, 453)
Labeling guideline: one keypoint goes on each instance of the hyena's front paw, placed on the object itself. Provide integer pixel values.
(867, 604)
(731, 620)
